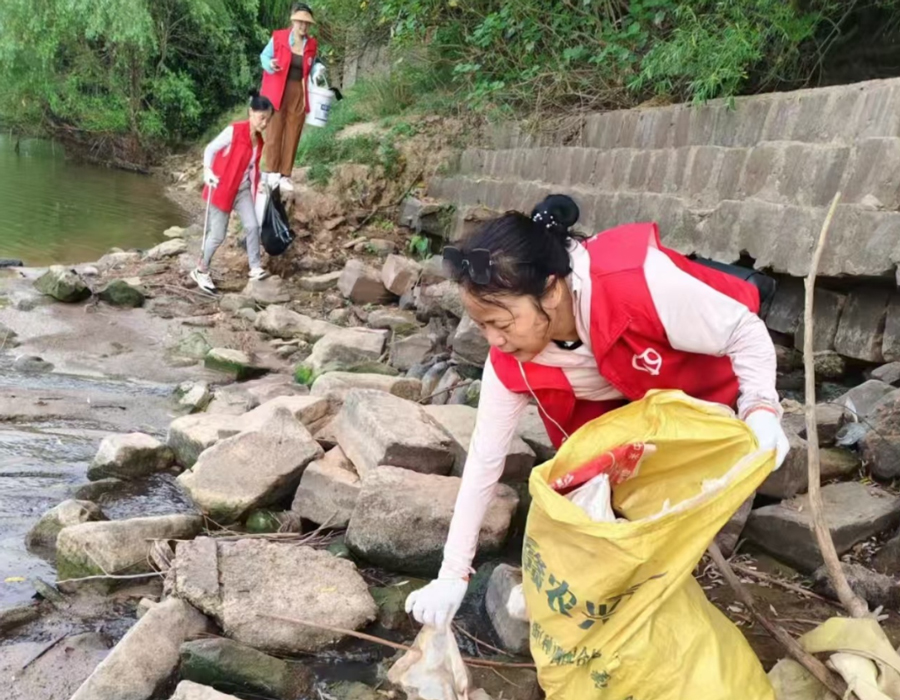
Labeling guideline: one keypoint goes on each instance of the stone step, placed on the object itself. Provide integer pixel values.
(839, 114)
(779, 237)
(783, 172)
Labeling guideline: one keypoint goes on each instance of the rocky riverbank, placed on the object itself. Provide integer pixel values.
(290, 452)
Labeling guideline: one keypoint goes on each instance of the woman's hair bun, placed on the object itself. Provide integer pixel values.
(253, 92)
(557, 212)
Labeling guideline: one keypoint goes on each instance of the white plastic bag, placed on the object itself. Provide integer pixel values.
(433, 669)
(595, 499)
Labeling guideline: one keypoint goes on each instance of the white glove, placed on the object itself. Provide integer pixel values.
(210, 178)
(437, 603)
(769, 433)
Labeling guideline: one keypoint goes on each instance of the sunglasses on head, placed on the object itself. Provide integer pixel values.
(477, 263)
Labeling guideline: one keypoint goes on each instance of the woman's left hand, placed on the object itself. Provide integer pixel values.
(766, 425)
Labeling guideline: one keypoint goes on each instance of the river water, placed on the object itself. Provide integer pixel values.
(54, 210)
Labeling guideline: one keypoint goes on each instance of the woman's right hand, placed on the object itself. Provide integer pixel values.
(273, 66)
(437, 603)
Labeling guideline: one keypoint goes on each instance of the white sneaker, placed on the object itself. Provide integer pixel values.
(271, 179)
(285, 184)
(203, 280)
(258, 273)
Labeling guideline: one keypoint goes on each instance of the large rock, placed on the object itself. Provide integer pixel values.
(236, 363)
(188, 690)
(272, 386)
(336, 385)
(189, 436)
(875, 588)
(793, 475)
(223, 485)
(225, 664)
(308, 410)
(63, 284)
(860, 332)
(122, 293)
(513, 633)
(328, 490)
(194, 346)
(116, 260)
(413, 350)
(861, 400)
(68, 513)
(891, 346)
(889, 373)
(828, 307)
(118, 546)
(392, 319)
(374, 428)
(347, 350)
(8, 337)
(887, 560)
(242, 583)
(232, 400)
(786, 312)
(469, 345)
(437, 299)
(143, 662)
(399, 274)
(280, 322)
(402, 518)
(169, 249)
(880, 446)
(193, 397)
(362, 284)
(459, 423)
(532, 430)
(130, 456)
(320, 283)
(854, 512)
(271, 290)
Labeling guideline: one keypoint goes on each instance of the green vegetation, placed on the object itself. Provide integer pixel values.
(125, 78)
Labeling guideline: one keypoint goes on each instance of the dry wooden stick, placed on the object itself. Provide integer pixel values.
(393, 645)
(799, 590)
(830, 680)
(855, 605)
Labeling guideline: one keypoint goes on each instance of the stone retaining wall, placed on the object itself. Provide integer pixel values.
(755, 180)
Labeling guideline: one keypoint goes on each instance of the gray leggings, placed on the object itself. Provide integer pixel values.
(218, 227)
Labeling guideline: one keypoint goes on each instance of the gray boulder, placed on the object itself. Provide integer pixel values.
(131, 456)
(169, 249)
(328, 490)
(880, 446)
(374, 428)
(118, 546)
(514, 634)
(244, 583)
(336, 385)
(224, 487)
(142, 663)
(122, 293)
(392, 499)
(225, 664)
(348, 350)
(279, 322)
(459, 423)
(854, 512)
(68, 513)
(189, 436)
(271, 290)
(63, 284)
(235, 363)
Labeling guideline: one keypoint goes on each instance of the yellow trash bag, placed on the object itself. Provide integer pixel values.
(615, 611)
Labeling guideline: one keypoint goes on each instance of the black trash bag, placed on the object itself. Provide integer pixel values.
(276, 235)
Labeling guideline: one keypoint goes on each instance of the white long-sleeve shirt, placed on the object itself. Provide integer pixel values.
(223, 141)
(696, 318)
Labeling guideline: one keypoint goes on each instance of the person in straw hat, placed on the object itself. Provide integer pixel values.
(287, 61)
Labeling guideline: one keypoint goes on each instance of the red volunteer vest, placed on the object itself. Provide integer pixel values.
(628, 338)
(231, 163)
(273, 84)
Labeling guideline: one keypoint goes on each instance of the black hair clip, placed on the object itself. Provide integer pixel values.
(476, 262)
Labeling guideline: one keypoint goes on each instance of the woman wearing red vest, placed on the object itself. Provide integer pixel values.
(583, 326)
(287, 61)
(231, 174)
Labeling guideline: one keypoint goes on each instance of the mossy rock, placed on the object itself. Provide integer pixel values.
(233, 362)
(63, 284)
(120, 293)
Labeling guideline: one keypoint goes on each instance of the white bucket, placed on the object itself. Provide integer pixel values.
(320, 97)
